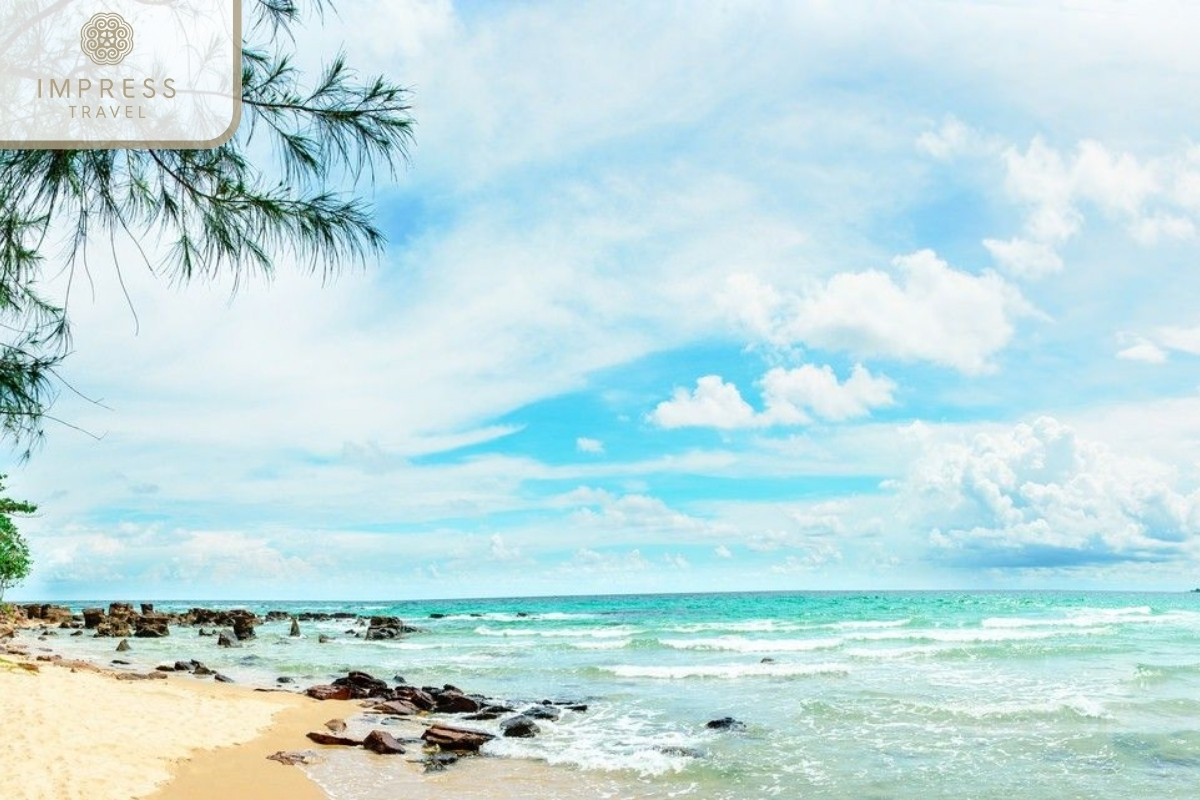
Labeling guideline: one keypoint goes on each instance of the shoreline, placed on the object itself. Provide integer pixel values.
(169, 738)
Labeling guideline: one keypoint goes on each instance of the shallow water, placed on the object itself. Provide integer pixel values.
(890, 695)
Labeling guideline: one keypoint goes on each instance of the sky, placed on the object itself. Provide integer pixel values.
(683, 297)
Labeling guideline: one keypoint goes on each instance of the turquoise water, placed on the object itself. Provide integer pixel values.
(890, 695)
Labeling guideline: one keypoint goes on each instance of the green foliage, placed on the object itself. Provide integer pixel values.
(217, 211)
(15, 560)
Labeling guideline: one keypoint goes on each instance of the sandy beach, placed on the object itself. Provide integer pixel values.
(73, 733)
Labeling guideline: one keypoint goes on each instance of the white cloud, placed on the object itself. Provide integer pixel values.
(928, 312)
(791, 396)
(1039, 496)
(1146, 352)
(722, 551)
(1024, 258)
(713, 404)
(586, 445)
(499, 550)
(1184, 340)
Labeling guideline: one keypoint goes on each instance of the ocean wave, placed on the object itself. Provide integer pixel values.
(771, 670)
(561, 633)
(603, 644)
(744, 626)
(969, 635)
(741, 644)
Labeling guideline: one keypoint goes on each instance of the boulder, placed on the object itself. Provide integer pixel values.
(456, 703)
(451, 738)
(725, 724)
(324, 692)
(329, 738)
(418, 697)
(323, 639)
(185, 666)
(383, 743)
(92, 617)
(400, 708)
(336, 726)
(147, 609)
(152, 627)
(363, 685)
(520, 727)
(542, 712)
(202, 670)
(227, 638)
(223, 678)
(123, 646)
(295, 627)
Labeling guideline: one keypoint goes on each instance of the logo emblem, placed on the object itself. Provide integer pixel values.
(106, 39)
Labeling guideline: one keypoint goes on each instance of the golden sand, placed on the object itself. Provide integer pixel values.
(80, 734)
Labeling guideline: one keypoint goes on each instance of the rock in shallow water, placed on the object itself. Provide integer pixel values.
(329, 738)
(725, 724)
(520, 727)
(450, 738)
(383, 743)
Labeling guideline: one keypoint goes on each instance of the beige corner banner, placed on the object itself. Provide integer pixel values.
(78, 74)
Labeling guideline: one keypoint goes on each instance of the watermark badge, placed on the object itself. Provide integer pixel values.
(78, 74)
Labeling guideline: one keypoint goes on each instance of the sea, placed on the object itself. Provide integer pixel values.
(843, 695)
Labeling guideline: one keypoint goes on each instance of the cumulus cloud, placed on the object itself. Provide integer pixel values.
(713, 404)
(1038, 495)
(791, 397)
(723, 552)
(925, 311)
(1153, 198)
(1144, 351)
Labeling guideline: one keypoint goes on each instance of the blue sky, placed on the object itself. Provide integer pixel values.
(685, 297)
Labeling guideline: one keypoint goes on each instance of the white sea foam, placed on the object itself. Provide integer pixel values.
(770, 669)
(561, 633)
(968, 635)
(743, 626)
(603, 644)
(741, 644)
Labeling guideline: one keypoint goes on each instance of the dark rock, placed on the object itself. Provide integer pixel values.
(277, 616)
(436, 762)
(436, 615)
(147, 609)
(120, 662)
(363, 685)
(521, 727)
(401, 708)
(456, 703)
(336, 725)
(725, 724)
(184, 666)
(329, 738)
(767, 660)
(228, 638)
(295, 628)
(202, 670)
(542, 712)
(580, 707)
(285, 679)
(418, 697)
(122, 645)
(323, 692)
(383, 743)
(223, 678)
(322, 639)
(165, 668)
(451, 738)
(152, 627)
(522, 614)
(77, 633)
(399, 679)
(483, 716)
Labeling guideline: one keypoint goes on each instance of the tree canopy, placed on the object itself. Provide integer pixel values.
(217, 212)
(15, 560)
